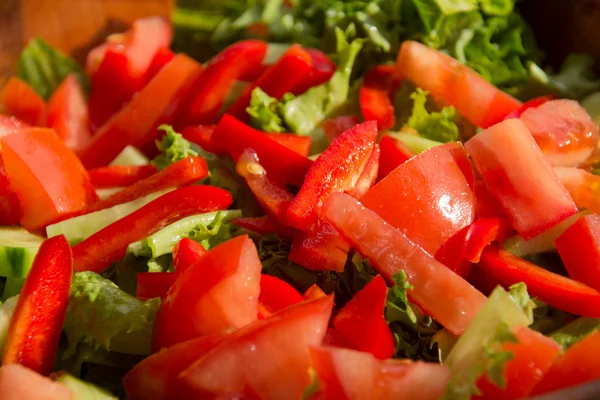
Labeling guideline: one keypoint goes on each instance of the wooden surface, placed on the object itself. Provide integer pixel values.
(73, 26)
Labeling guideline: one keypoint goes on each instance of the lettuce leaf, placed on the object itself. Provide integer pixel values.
(573, 332)
(264, 112)
(84, 390)
(437, 126)
(173, 148)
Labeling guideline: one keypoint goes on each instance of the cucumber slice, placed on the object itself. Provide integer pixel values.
(17, 251)
(130, 156)
(83, 390)
(6, 312)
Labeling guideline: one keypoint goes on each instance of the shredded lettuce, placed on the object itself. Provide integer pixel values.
(130, 156)
(416, 143)
(518, 293)
(44, 68)
(102, 315)
(173, 148)
(437, 126)
(572, 333)
(264, 112)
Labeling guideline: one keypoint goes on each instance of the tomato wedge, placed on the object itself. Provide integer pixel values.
(47, 177)
(276, 294)
(21, 383)
(447, 297)
(376, 93)
(321, 249)
(18, 99)
(584, 187)
(393, 153)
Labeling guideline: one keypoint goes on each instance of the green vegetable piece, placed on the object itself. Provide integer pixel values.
(518, 292)
(573, 332)
(438, 126)
(576, 78)
(84, 390)
(592, 105)
(44, 68)
(398, 308)
(416, 143)
(130, 156)
(501, 8)
(173, 148)
(18, 248)
(264, 112)
(6, 311)
(12, 287)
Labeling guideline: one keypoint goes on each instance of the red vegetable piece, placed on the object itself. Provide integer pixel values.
(535, 201)
(579, 364)
(211, 88)
(362, 323)
(321, 249)
(334, 127)
(116, 176)
(37, 320)
(162, 57)
(264, 226)
(220, 291)
(452, 254)
(47, 177)
(18, 99)
(313, 292)
(393, 153)
(337, 169)
(427, 198)
(10, 210)
(277, 80)
(583, 186)
(369, 175)
(322, 71)
(441, 293)
(153, 284)
(376, 93)
(202, 136)
(252, 74)
(276, 294)
(483, 281)
(21, 383)
(136, 123)
(533, 103)
(185, 253)
(551, 288)
(181, 173)
(297, 144)
(487, 204)
(249, 354)
(282, 164)
(10, 124)
(482, 233)
(108, 245)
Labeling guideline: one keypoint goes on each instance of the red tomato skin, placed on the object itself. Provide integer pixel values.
(155, 378)
(579, 249)
(361, 322)
(21, 101)
(37, 321)
(437, 290)
(185, 253)
(10, 124)
(533, 356)
(455, 84)
(220, 291)
(68, 114)
(10, 209)
(153, 284)
(556, 290)
(21, 383)
(404, 198)
(334, 127)
(136, 123)
(337, 169)
(515, 171)
(276, 294)
(393, 153)
(248, 353)
(115, 176)
(47, 177)
(376, 93)
(579, 364)
(583, 186)
(99, 251)
(321, 249)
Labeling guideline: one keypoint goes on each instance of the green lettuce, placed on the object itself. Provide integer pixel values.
(173, 148)
(84, 390)
(437, 126)
(573, 332)
(264, 112)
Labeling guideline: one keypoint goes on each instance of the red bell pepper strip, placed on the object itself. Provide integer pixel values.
(282, 164)
(452, 254)
(116, 176)
(277, 80)
(362, 323)
(211, 88)
(47, 177)
(136, 123)
(438, 291)
(276, 294)
(183, 172)
(297, 144)
(68, 114)
(393, 153)
(533, 103)
(551, 288)
(263, 226)
(322, 71)
(313, 292)
(21, 101)
(273, 198)
(37, 320)
(252, 74)
(320, 249)
(483, 281)
(108, 245)
(185, 253)
(579, 364)
(482, 233)
(337, 169)
(376, 94)
(579, 249)
(162, 57)
(153, 284)
(369, 175)
(202, 136)
(334, 127)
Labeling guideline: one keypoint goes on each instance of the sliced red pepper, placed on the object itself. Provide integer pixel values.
(482, 233)
(202, 136)
(276, 294)
(483, 281)
(21, 101)
(334, 127)
(337, 169)
(211, 88)
(153, 284)
(136, 123)
(264, 226)
(556, 290)
(393, 153)
(277, 80)
(252, 74)
(68, 114)
(37, 320)
(322, 71)
(183, 172)
(369, 175)
(108, 245)
(162, 57)
(321, 249)
(185, 253)
(282, 164)
(533, 103)
(116, 176)
(296, 143)
(452, 253)
(376, 94)
(362, 323)
(313, 292)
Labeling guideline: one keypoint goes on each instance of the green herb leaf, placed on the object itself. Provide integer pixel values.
(264, 112)
(173, 148)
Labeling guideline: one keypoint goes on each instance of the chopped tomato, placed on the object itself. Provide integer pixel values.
(376, 94)
(313, 292)
(517, 174)
(334, 127)
(487, 204)
(427, 198)
(393, 153)
(10, 124)
(249, 355)
(321, 249)
(220, 291)
(115, 176)
(353, 375)
(447, 297)
(47, 177)
(584, 187)
(533, 103)
(21, 383)
(455, 84)
(276, 294)
(19, 100)
(185, 254)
